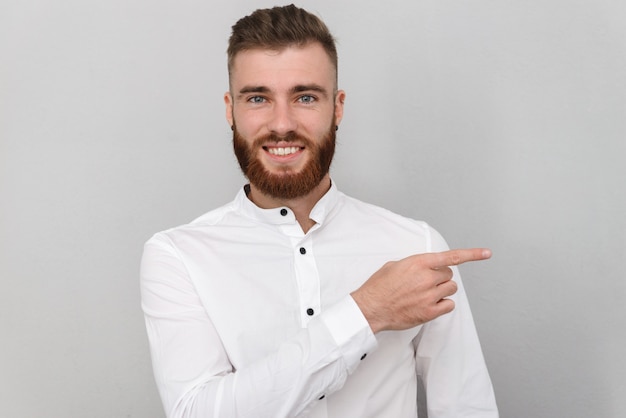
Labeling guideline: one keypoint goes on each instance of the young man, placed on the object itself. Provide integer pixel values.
(294, 299)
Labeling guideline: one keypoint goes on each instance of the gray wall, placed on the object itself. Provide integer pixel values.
(502, 123)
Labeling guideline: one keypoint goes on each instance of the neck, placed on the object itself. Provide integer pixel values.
(300, 206)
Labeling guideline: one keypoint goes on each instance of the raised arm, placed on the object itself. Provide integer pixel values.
(414, 290)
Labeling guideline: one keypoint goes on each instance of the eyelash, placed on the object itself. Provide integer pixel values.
(311, 98)
(253, 99)
(260, 99)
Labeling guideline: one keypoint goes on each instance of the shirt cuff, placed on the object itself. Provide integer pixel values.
(350, 331)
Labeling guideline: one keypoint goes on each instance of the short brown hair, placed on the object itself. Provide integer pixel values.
(278, 28)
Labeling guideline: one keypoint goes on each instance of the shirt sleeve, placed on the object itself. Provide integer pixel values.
(449, 360)
(193, 373)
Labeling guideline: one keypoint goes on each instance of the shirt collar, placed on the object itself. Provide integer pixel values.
(284, 215)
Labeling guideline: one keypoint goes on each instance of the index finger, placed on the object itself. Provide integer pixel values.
(460, 256)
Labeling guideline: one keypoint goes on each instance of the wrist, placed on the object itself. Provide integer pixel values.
(368, 311)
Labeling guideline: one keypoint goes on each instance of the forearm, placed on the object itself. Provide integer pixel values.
(284, 383)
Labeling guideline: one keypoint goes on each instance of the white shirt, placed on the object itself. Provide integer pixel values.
(247, 316)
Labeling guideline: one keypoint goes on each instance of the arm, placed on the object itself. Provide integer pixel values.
(193, 373)
(450, 363)
(451, 368)
(427, 289)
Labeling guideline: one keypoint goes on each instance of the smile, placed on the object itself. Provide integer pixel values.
(282, 150)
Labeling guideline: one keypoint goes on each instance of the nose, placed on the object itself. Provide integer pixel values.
(283, 119)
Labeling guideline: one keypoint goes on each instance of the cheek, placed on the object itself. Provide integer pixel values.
(249, 124)
(317, 126)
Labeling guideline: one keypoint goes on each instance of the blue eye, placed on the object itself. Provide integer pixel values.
(307, 98)
(256, 99)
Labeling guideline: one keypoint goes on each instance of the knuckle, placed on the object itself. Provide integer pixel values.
(387, 265)
(448, 289)
(455, 258)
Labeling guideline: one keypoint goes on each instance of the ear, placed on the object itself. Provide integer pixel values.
(228, 101)
(340, 97)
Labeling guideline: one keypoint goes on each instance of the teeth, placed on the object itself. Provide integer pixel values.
(282, 151)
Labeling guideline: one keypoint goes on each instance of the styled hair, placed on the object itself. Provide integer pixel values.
(278, 28)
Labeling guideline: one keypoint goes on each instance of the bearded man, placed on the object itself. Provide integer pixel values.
(294, 299)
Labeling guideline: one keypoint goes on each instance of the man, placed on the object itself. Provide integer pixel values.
(294, 299)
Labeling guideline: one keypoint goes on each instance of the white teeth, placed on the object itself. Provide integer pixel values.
(282, 151)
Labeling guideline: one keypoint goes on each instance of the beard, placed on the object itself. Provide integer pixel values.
(286, 184)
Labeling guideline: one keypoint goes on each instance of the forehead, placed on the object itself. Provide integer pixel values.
(291, 65)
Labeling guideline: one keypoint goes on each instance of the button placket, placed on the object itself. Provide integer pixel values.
(307, 277)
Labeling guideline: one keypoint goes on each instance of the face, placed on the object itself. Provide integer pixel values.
(284, 110)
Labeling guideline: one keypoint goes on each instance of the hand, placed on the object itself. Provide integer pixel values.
(412, 291)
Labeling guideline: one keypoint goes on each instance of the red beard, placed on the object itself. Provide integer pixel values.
(287, 184)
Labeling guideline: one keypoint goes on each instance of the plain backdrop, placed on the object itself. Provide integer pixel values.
(501, 123)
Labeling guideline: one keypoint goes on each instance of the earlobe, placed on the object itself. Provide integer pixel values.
(340, 97)
(228, 102)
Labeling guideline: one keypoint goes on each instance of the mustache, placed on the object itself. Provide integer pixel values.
(289, 137)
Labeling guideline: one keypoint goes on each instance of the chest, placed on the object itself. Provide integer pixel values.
(260, 292)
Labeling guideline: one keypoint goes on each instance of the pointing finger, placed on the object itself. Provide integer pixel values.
(460, 256)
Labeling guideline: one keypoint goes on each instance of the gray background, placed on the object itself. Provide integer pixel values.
(502, 123)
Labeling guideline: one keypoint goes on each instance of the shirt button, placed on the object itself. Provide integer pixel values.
(302, 250)
(363, 356)
(322, 397)
(310, 312)
(284, 212)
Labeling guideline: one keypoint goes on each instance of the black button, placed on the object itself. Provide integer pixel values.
(363, 356)
(302, 250)
(284, 212)
(310, 312)
(322, 397)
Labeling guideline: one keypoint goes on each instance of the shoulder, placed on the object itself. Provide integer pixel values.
(211, 222)
(373, 215)
(369, 216)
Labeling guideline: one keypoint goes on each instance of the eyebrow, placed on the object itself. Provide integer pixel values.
(309, 87)
(253, 89)
(295, 89)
